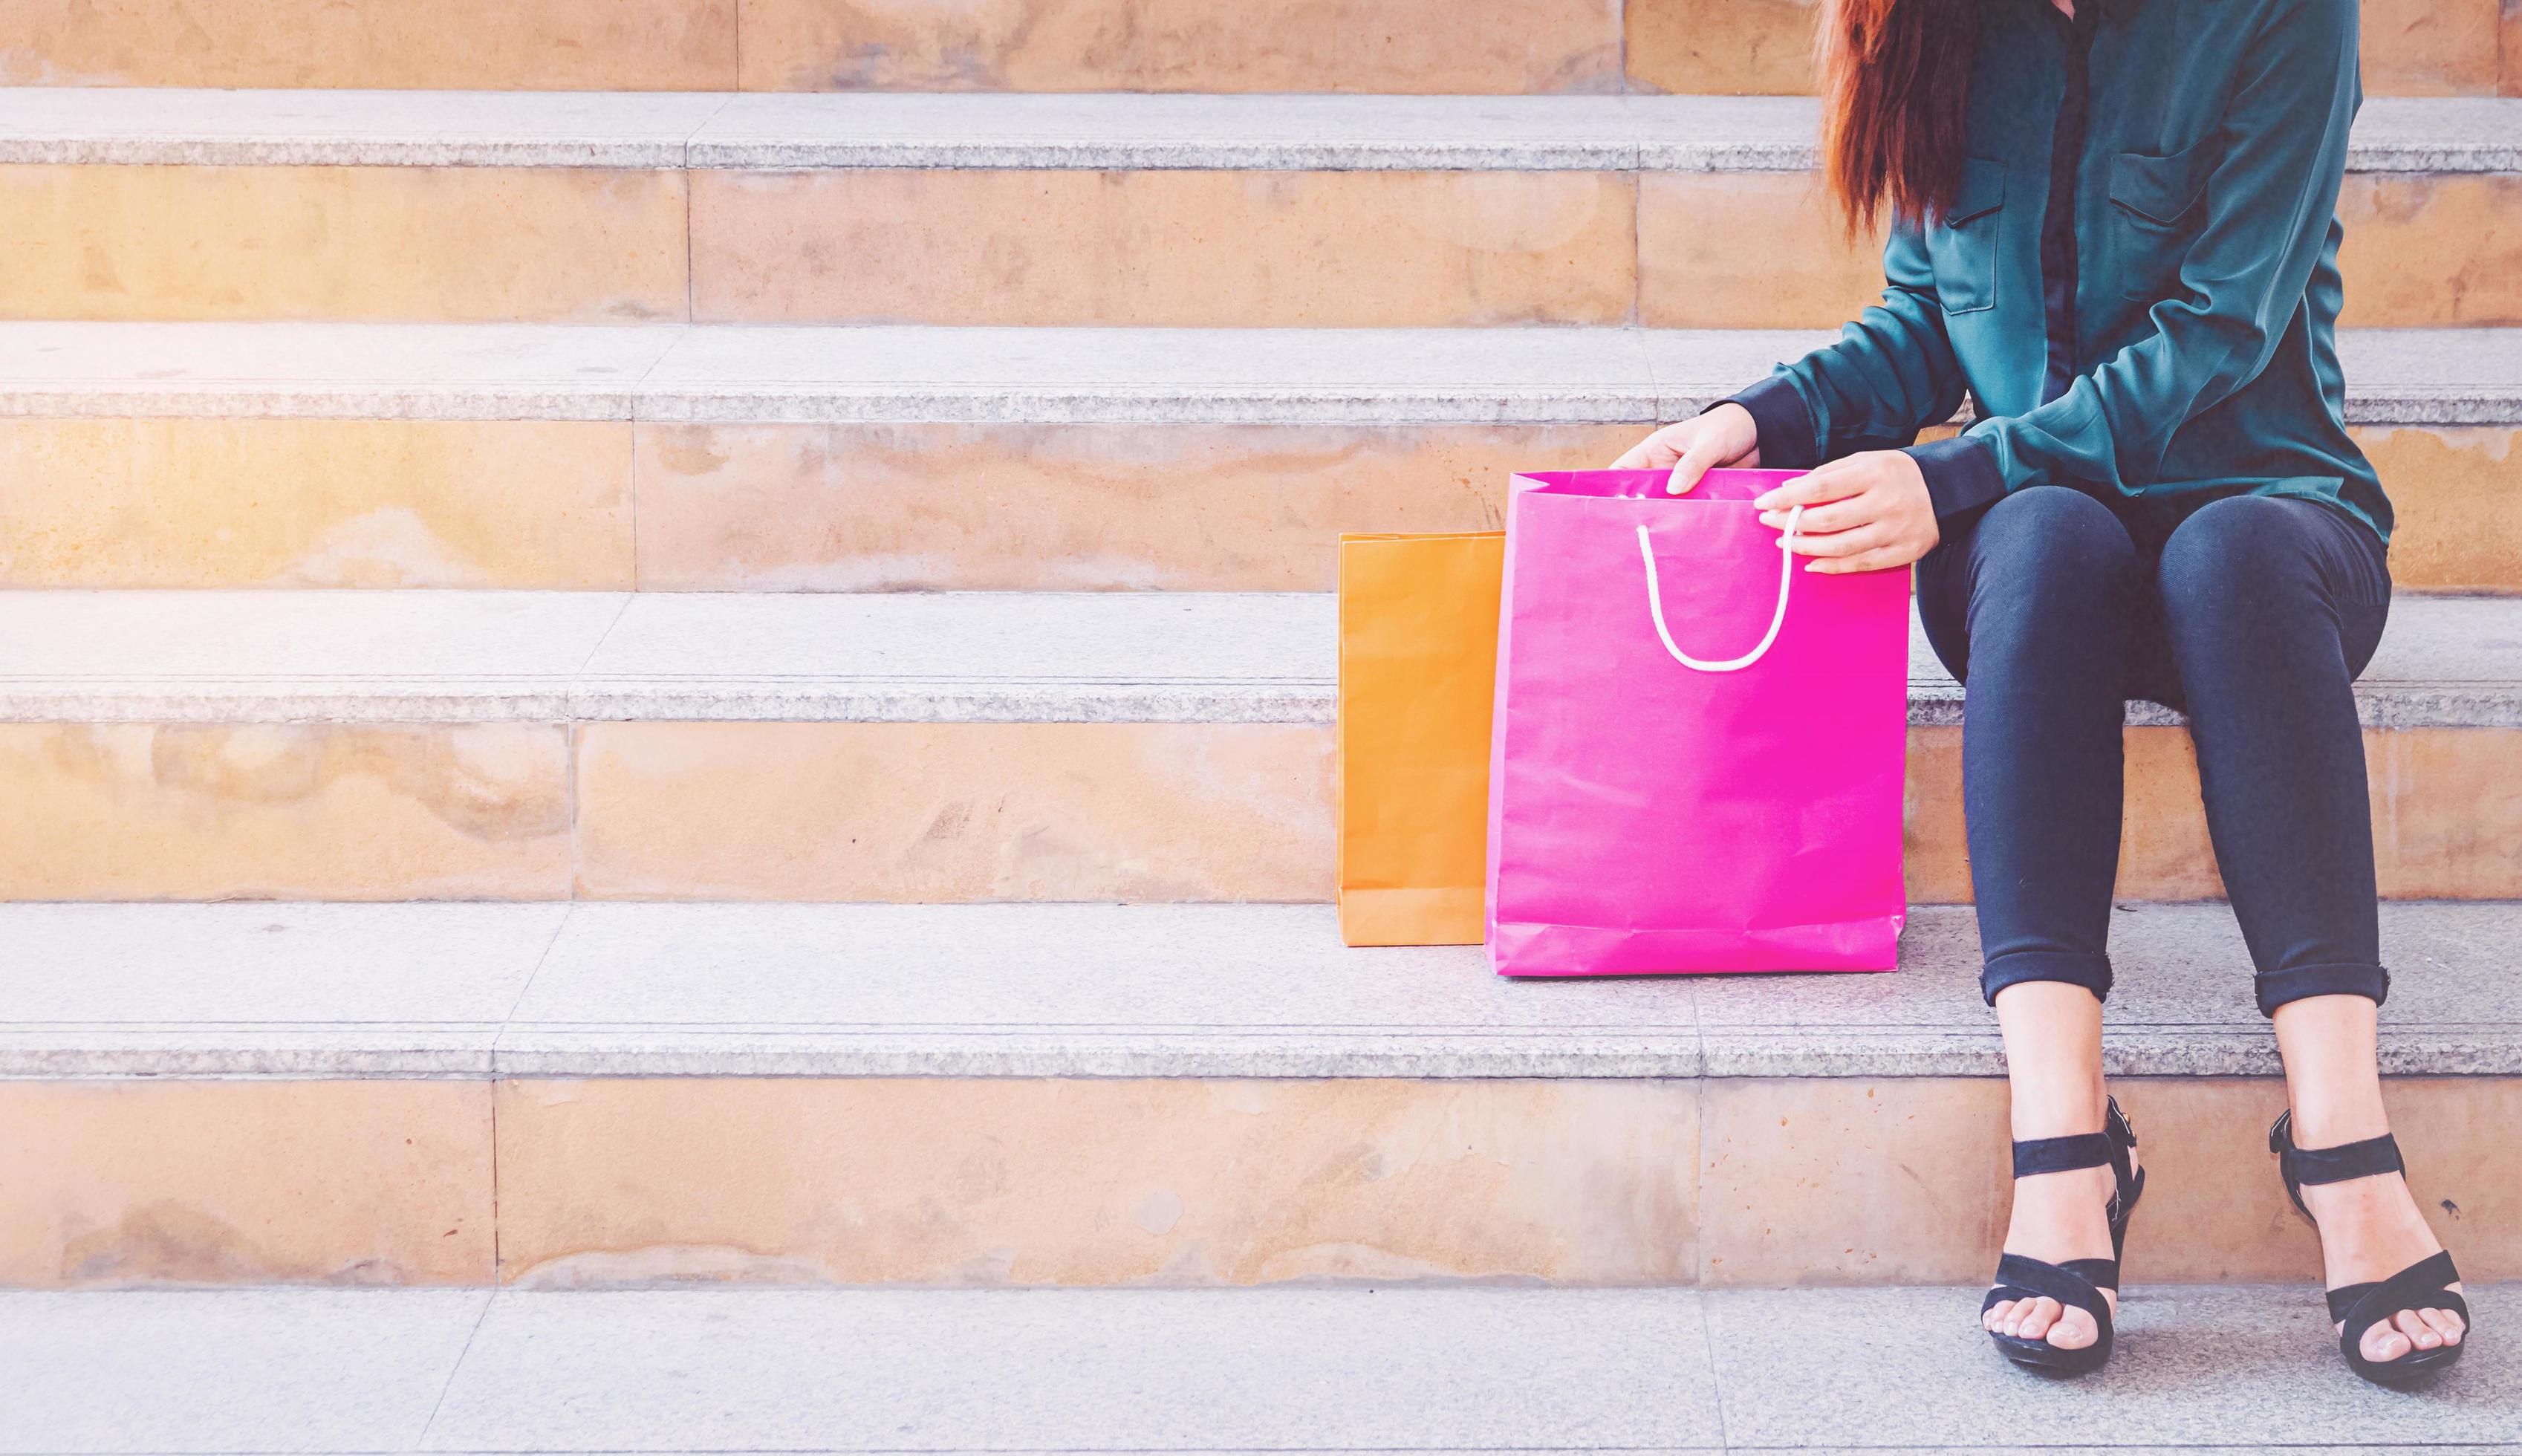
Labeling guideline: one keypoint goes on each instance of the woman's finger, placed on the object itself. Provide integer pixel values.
(1821, 520)
(1704, 454)
(1836, 481)
(1881, 558)
(1649, 454)
(1840, 543)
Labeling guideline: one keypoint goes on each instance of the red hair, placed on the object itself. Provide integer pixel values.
(1895, 89)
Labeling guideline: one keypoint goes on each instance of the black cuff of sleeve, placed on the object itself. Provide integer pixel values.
(1961, 474)
(1786, 424)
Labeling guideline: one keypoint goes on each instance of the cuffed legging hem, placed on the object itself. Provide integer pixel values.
(2074, 967)
(2277, 987)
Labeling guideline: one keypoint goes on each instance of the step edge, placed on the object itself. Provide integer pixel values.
(34, 1054)
(83, 699)
(736, 131)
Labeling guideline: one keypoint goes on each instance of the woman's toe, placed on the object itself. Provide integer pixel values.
(2414, 1324)
(1998, 1314)
(2043, 1314)
(2074, 1330)
(2443, 1323)
(2384, 1343)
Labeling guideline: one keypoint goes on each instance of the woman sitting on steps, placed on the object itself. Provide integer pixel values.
(2113, 224)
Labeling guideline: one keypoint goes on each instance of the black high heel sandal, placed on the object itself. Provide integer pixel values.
(2358, 1307)
(2076, 1282)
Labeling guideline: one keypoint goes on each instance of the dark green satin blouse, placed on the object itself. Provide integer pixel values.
(2206, 288)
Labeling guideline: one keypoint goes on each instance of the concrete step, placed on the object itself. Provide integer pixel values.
(299, 989)
(1101, 1094)
(746, 458)
(2228, 1371)
(904, 747)
(1114, 210)
(2411, 47)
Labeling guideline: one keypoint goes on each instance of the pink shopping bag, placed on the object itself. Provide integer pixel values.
(1696, 758)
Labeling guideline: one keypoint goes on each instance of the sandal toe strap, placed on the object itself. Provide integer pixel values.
(2423, 1285)
(2077, 1281)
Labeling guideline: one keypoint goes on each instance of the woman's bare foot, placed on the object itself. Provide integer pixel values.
(2057, 1218)
(2370, 1229)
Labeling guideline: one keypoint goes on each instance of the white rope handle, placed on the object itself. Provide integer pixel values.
(1777, 619)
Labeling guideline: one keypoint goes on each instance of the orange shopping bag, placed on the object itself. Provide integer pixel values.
(1417, 674)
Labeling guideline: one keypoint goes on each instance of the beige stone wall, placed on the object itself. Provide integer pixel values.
(1431, 46)
(106, 1184)
(1010, 1181)
(2421, 250)
(1163, 248)
(1721, 47)
(385, 243)
(525, 505)
(284, 811)
(1066, 507)
(940, 812)
(955, 812)
(982, 246)
(2447, 816)
(309, 502)
(1764, 47)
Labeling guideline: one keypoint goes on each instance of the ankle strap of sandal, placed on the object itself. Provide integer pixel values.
(2368, 1159)
(2062, 1154)
(2300, 1167)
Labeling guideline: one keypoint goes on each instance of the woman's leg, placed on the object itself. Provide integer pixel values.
(2030, 607)
(2053, 1060)
(2272, 606)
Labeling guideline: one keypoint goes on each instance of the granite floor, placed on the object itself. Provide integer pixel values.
(1316, 1370)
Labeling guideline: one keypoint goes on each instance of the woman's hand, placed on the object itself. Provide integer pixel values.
(1867, 512)
(1724, 435)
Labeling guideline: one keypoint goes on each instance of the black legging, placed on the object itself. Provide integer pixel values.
(2254, 616)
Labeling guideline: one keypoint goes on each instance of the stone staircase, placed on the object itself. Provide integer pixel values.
(617, 680)
(607, 1094)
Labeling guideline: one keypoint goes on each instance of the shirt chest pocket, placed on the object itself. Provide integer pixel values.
(2157, 212)
(1961, 244)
